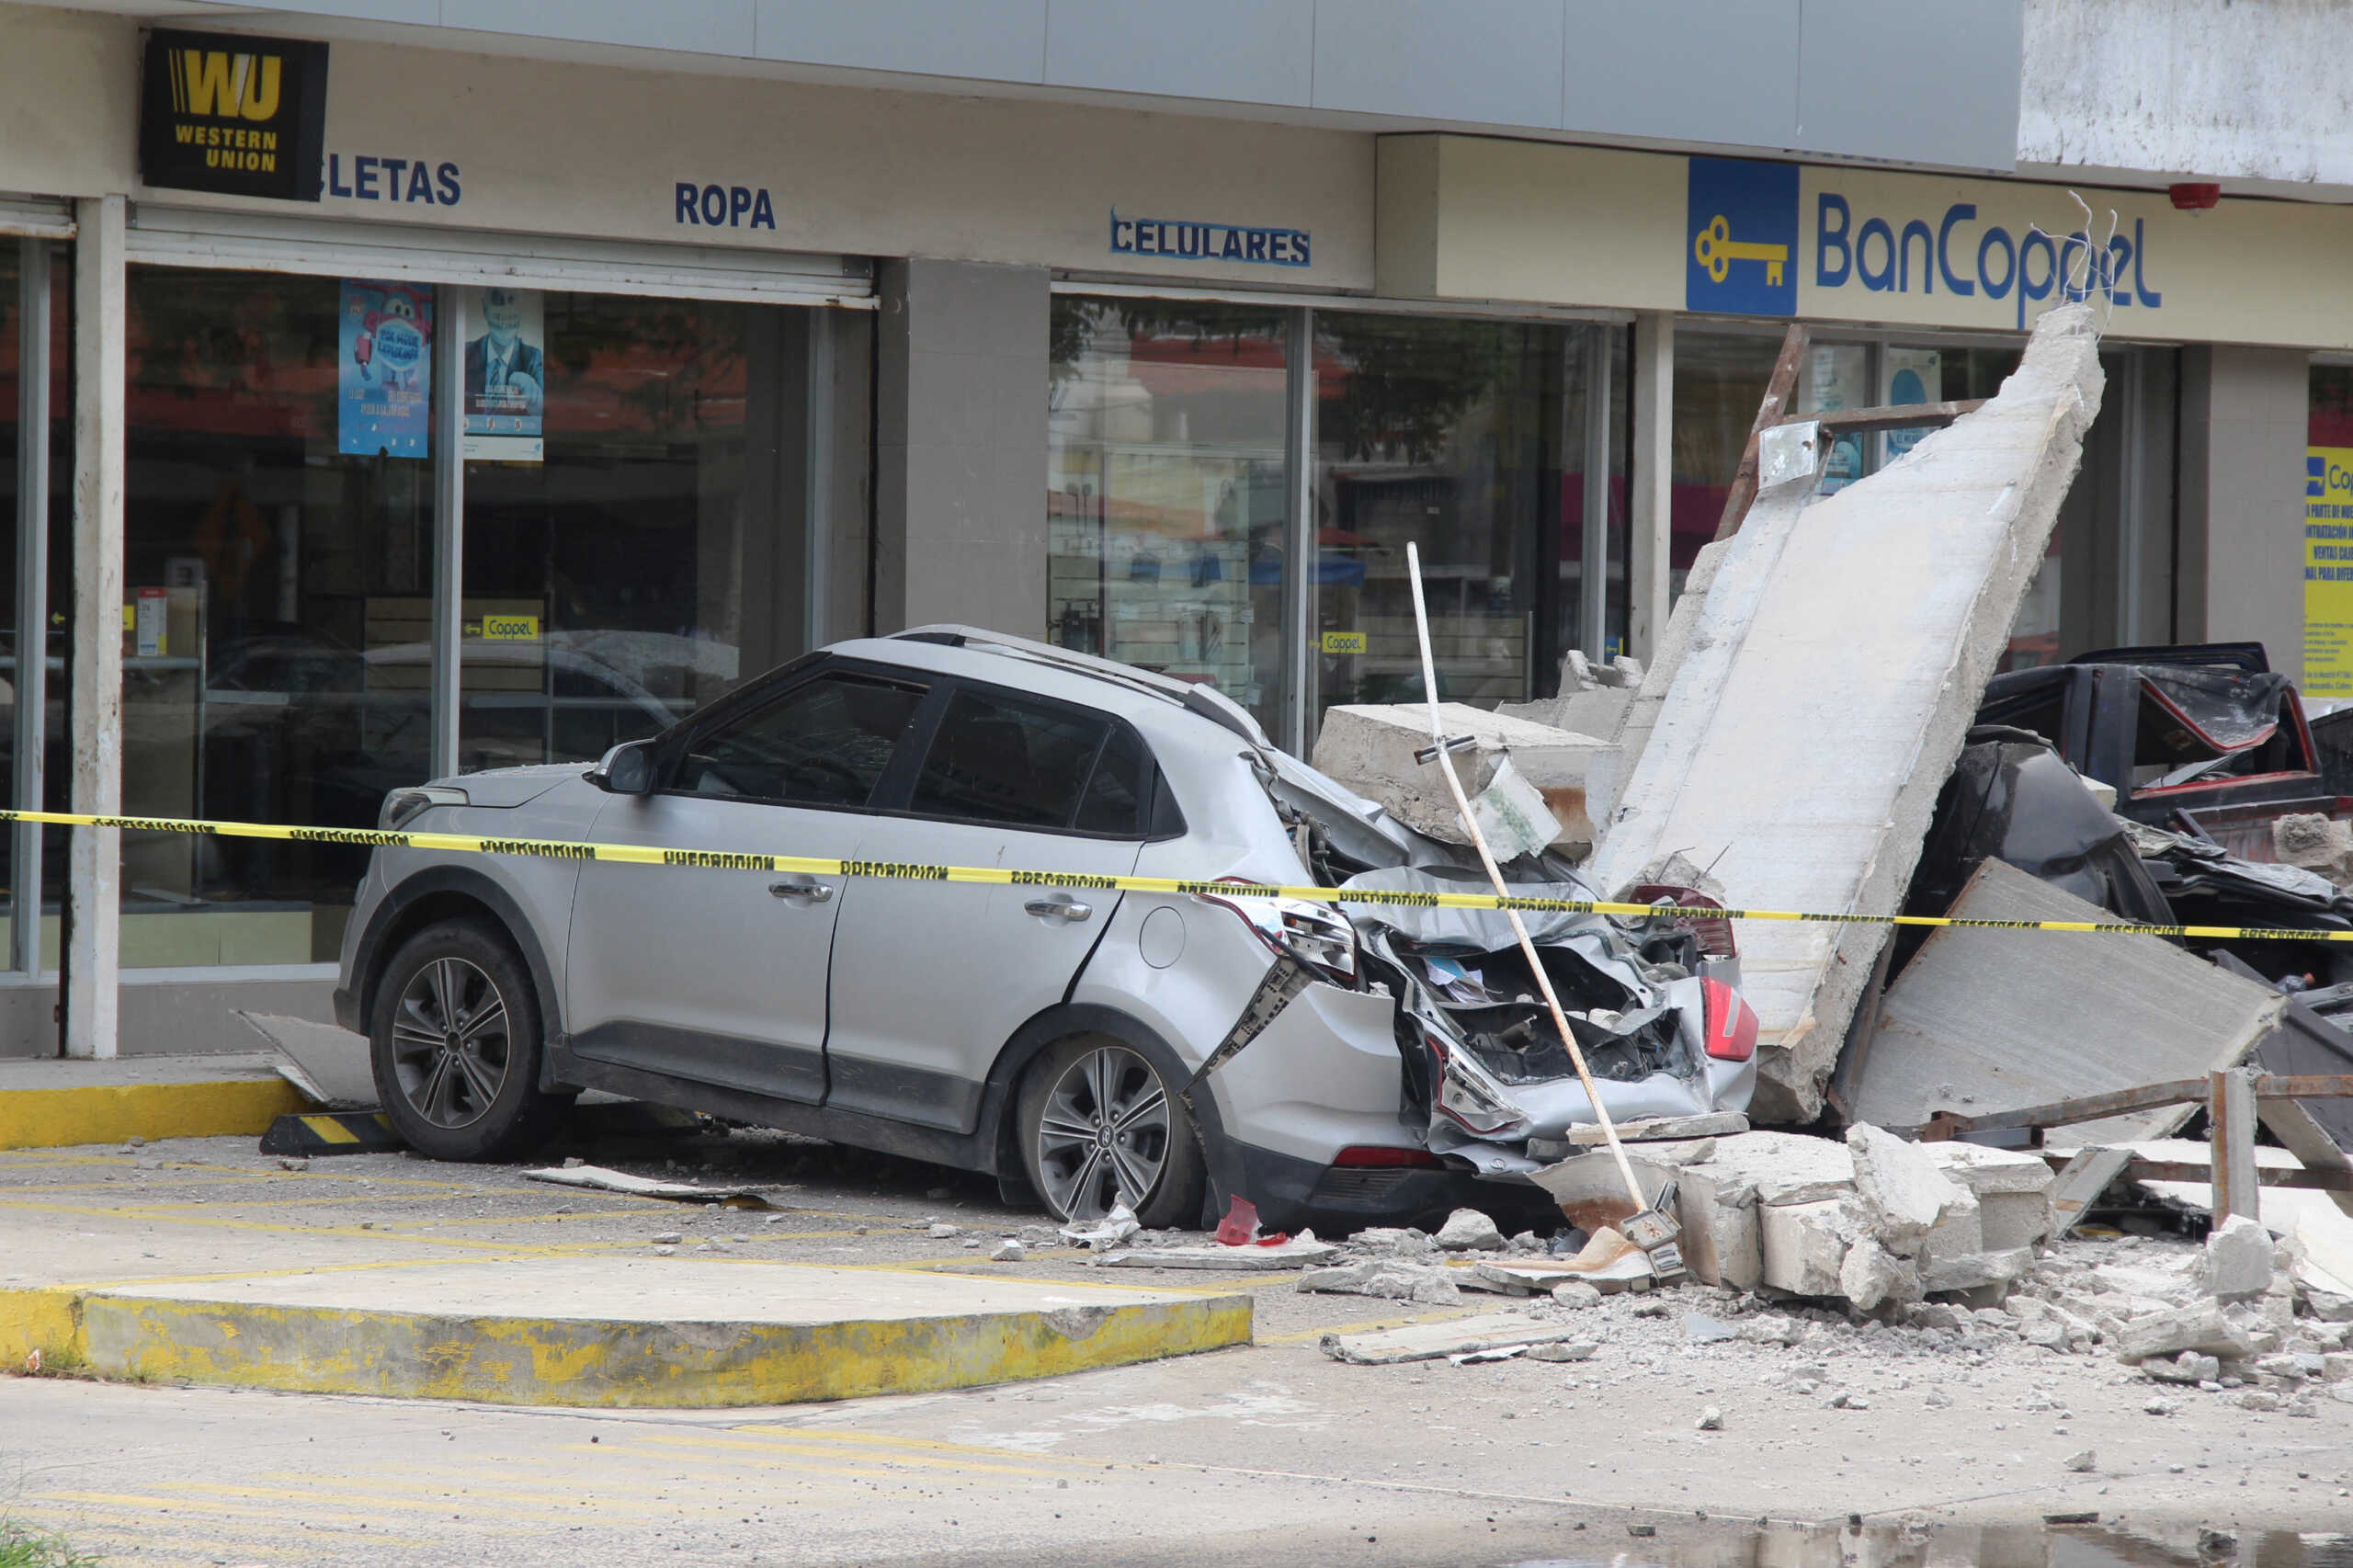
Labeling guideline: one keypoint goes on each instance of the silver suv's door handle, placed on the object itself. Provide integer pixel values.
(804, 889)
(1059, 907)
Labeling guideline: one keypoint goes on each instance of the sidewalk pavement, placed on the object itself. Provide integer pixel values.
(51, 1103)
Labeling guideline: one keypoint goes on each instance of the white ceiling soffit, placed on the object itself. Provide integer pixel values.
(171, 236)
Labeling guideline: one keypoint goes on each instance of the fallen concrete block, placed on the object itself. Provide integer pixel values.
(1592, 699)
(1429, 1341)
(1370, 748)
(1719, 1217)
(1783, 1167)
(1390, 1277)
(1975, 1270)
(1530, 1278)
(2311, 842)
(1960, 1229)
(1802, 1246)
(1904, 1193)
(1985, 1171)
(1872, 1276)
(2189, 1367)
(2236, 1264)
(2203, 1329)
(2003, 1022)
(1926, 561)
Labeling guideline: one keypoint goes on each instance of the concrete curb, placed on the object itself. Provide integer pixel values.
(617, 1364)
(108, 1113)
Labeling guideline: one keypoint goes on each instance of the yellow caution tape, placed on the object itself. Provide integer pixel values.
(1000, 875)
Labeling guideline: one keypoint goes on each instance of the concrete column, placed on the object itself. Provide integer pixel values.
(1649, 536)
(446, 633)
(2244, 423)
(95, 866)
(959, 448)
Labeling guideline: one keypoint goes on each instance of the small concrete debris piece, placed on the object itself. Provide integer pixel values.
(1432, 1341)
(1481, 1357)
(1700, 1329)
(1929, 560)
(2168, 1333)
(1577, 1295)
(2189, 1367)
(1009, 1251)
(1394, 1279)
(1114, 1228)
(1520, 1279)
(597, 1178)
(2236, 1264)
(1564, 1350)
(1302, 1251)
(2311, 842)
(1870, 1276)
(1903, 1194)
(939, 1232)
(1381, 1241)
(1370, 749)
(1467, 1230)
(1803, 1245)
(1711, 1419)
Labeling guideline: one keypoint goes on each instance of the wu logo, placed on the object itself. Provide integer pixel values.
(225, 85)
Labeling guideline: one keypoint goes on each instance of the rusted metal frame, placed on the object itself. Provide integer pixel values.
(1779, 389)
(2191, 1171)
(1893, 417)
(2309, 1087)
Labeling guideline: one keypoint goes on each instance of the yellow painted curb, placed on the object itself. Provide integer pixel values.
(108, 1113)
(592, 1363)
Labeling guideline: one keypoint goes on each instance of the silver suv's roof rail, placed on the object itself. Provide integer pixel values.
(1195, 697)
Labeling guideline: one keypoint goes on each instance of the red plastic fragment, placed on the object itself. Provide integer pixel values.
(1240, 1226)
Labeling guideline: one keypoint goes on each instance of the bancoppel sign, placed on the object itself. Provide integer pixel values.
(231, 113)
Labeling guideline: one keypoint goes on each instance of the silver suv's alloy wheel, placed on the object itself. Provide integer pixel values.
(452, 1044)
(1103, 1138)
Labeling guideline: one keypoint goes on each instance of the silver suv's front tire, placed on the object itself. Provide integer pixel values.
(454, 1042)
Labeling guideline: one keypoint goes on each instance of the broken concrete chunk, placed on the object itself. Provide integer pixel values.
(1975, 1270)
(1467, 1230)
(1903, 1194)
(1390, 1277)
(1381, 1241)
(1297, 1253)
(1564, 1350)
(1984, 1170)
(1782, 1167)
(1428, 1342)
(1579, 1295)
(1719, 1217)
(2203, 1329)
(1872, 1276)
(1805, 1245)
(1371, 747)
(1517, 1279)
(2311, 842)
(2236, 1264)
(1960, 1230)
(2189, 1367)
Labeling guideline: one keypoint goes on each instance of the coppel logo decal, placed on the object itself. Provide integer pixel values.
(1740, 241)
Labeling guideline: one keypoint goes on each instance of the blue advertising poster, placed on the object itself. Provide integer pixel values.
(384, 377)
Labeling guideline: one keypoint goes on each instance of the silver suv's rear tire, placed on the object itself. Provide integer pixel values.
(1100, 1125)
(454, 1042)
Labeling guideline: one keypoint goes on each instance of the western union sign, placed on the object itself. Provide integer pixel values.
(231, 113)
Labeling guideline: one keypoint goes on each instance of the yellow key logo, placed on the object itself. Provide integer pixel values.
(1714, 248)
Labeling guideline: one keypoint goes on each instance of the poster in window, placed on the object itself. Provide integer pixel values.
(385, 371)
(1912, 375)
(2328, 573)
(506, 384)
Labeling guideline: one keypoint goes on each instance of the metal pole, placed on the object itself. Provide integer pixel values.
(817, 465)
(95, 881)
(1593, 569)
(449, 521)
(31, 728)
(1299, 583)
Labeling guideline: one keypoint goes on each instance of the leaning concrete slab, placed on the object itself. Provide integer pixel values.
(615, 1333)
(1370, 747)
(1984, 1020)
(1827, 686)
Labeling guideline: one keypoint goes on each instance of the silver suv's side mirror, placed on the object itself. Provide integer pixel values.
(627, 770)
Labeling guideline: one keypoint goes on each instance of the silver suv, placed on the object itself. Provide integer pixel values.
(1088, 1046)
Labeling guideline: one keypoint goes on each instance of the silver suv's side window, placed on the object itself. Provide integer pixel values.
(1001, 761)
(824, 743)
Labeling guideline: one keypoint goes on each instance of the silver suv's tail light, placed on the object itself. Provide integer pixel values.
(1318, 936)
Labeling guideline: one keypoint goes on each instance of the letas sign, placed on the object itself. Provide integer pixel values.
(236, 114)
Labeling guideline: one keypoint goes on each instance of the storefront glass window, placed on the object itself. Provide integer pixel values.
(1165, 507)
(261, 554)
(1719, 381)
(633, 535)
(1467, 439)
